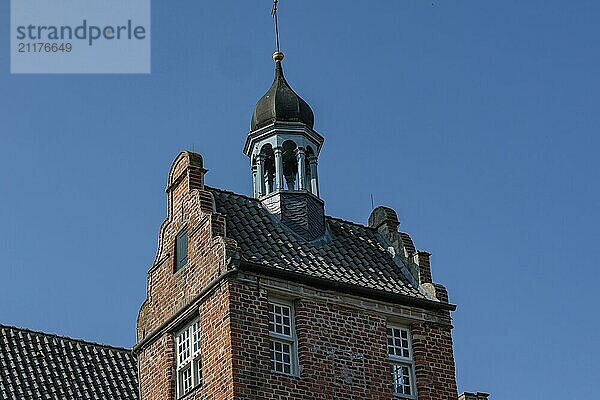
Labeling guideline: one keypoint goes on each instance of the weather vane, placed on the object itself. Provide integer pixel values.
(278, 55)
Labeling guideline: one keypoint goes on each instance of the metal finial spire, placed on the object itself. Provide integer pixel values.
(278, 55)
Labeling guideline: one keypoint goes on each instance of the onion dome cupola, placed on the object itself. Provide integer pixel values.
(281, 103)
(282, 145)
(283, 149)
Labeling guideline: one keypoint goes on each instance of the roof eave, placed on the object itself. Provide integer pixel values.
(343, 287)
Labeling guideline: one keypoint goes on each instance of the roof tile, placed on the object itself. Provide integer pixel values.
(351, 253)
(45, 366)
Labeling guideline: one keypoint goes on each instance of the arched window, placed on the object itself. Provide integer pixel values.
(290, 164)
(268, 168)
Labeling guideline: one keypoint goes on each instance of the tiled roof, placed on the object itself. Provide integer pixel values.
(35, 365)
(351, 254)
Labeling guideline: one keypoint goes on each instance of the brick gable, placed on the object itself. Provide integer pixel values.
(345, 290)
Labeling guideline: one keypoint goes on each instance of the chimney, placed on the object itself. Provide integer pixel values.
(422, 260)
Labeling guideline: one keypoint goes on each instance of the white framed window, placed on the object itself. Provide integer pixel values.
(283, 342)
(187, 357)
(400, 352)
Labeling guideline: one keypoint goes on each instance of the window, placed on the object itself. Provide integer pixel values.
(189, 365)
(401, 357)
(283, 338)
(181, 249)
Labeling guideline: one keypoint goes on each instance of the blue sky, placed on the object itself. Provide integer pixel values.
(476, 120)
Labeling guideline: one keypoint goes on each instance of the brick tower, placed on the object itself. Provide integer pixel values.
(267, 297)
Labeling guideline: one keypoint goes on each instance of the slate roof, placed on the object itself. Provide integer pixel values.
(36, 365)
(352, 254)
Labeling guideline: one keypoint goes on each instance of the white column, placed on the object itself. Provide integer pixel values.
(314, 180)
(301, 167)
(260, 175)
(268, 183)
(278, 169)
(254, 188)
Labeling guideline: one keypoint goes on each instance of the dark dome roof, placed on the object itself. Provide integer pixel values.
(281, 103)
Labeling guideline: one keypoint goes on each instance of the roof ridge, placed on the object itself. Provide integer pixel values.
(258, 201)
(62, 337)
(350, 222)
(231, 192)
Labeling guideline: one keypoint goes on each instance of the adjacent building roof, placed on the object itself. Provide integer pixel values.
(349, 253)
(36, 365)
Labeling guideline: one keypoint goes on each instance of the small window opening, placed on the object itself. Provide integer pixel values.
(181, 249)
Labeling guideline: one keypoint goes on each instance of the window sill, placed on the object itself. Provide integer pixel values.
(188, 394)
(294, 376)
(404, 396)
(181, 268)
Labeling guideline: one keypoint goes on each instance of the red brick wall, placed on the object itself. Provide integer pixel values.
(434, 362)
(157, 361)
(217, 367)
(342, 351)
(155, 370)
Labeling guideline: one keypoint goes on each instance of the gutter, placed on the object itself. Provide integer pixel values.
(346, 288)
